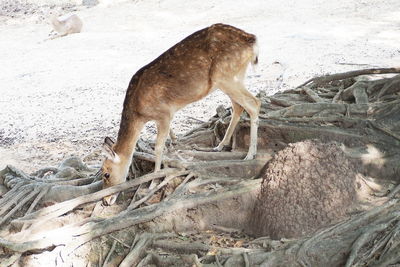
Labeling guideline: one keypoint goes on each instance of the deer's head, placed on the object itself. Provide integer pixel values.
(113, 170)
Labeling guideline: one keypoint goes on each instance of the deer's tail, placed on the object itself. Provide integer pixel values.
(254, 60)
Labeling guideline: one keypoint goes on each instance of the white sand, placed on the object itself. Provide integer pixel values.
(62, 97)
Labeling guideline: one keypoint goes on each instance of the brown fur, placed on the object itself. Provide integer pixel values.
(214, 57)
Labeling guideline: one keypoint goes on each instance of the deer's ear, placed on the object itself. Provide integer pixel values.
(108, 149)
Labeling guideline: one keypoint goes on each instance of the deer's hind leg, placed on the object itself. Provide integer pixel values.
(163, 130)
(239, 94)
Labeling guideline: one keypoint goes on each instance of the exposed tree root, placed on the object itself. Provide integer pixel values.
(199, 248)
(318, 81)
(92, 229)
(139, 246)
(10, 261)
(110, 253)
(135, 204)
(66, 206)
(26, 188)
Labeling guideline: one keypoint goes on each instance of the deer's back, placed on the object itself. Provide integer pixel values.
(189, 70)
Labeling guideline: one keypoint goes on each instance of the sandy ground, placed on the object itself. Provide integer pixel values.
(62, 97)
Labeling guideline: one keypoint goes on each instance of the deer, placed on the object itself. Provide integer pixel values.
(65, 25)
(215, 57)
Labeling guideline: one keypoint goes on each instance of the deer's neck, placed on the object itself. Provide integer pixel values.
(128, 134)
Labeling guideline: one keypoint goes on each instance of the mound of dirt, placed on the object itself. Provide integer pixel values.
(306, 186)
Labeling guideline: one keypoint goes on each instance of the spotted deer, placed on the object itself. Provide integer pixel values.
(214, 57)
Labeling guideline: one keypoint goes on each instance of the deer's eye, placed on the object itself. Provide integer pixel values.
(106, 175)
